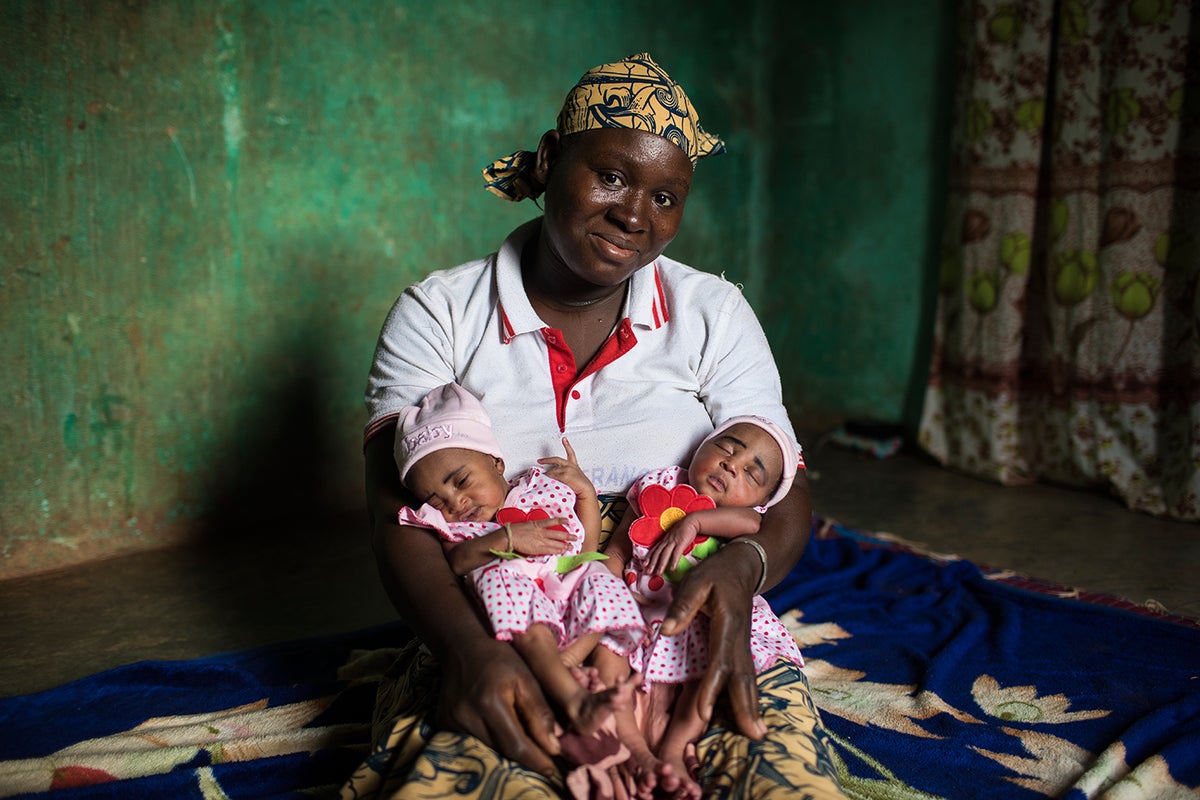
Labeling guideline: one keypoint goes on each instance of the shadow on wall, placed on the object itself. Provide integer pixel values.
(279, 555)
(278, 476)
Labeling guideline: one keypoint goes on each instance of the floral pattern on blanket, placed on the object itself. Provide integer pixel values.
(161, 744)
(940, 680)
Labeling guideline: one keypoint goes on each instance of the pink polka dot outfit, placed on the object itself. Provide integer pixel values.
(521, 592)
(685, 656)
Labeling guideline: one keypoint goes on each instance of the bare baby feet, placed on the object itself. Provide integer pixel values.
(588, 710)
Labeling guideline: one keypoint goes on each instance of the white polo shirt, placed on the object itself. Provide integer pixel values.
(689, 353)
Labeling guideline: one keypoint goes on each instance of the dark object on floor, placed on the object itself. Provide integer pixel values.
(879, 439)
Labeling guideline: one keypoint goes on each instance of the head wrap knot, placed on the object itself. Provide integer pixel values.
(635, 93)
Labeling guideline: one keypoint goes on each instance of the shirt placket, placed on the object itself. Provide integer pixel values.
(564, 373)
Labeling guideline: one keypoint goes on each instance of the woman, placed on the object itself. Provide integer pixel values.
(579, 326)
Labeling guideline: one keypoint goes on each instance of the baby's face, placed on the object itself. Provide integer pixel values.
(741, 467)
(465, 485)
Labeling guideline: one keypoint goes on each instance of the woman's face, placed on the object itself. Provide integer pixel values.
(614, 201)
(465, 485)
(741, 467)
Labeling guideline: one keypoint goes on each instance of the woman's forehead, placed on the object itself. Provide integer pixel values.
(646, 149)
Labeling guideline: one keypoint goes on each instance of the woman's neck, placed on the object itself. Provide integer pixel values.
(551, 284)
(585, 315)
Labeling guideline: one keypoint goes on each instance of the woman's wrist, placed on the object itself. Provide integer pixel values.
(760, 556)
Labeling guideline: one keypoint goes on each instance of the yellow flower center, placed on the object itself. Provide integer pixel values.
(670, 517)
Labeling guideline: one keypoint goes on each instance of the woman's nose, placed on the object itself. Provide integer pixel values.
(630, 211)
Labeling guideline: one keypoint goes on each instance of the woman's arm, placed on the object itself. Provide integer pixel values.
(722, 585)
(486, 689)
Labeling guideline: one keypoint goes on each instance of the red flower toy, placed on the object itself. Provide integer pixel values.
(662, 508)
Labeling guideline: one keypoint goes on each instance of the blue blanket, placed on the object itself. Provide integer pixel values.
(936, 678)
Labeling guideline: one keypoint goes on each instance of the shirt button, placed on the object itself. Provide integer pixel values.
(575, 395)
(561, 368)
(551, 339)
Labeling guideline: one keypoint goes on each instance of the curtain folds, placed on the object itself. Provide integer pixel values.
(1067, 339)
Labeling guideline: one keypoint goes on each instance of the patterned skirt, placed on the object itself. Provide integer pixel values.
(410, 759)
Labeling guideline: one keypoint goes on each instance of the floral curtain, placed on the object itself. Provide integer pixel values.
(1067, 340)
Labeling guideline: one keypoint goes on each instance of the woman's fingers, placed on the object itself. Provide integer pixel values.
(731, 668)
(522, 729)
(538, 718)
(504, 708)
(724, 594)
(690, 597)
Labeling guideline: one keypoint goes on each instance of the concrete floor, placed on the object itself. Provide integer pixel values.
(303, 577)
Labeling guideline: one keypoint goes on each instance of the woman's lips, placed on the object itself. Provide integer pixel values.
(618, 249)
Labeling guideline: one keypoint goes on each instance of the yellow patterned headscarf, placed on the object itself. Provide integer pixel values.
(635, 93)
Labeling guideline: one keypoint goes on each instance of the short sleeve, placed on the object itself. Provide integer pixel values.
(738, 374)
(431, 329)
(430, 518)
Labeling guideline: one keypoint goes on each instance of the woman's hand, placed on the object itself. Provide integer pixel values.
(539, 537)
(486, 689)
(722, 586)
(489, 693)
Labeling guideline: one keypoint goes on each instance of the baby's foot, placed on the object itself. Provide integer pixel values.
(587, 677)
(648, 776)
(682, 785)
(593, 708)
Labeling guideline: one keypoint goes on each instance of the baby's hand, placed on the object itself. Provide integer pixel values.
(666, 552)
(537, 538)
(567, 470)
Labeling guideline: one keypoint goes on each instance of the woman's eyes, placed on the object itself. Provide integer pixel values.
(615, 180)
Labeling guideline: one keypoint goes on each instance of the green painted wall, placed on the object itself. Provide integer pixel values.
(208, 208)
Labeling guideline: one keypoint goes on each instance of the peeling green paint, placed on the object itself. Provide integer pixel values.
(71, 433)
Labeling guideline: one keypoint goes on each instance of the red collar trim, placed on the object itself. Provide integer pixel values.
(661, 314)
(507, 332)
